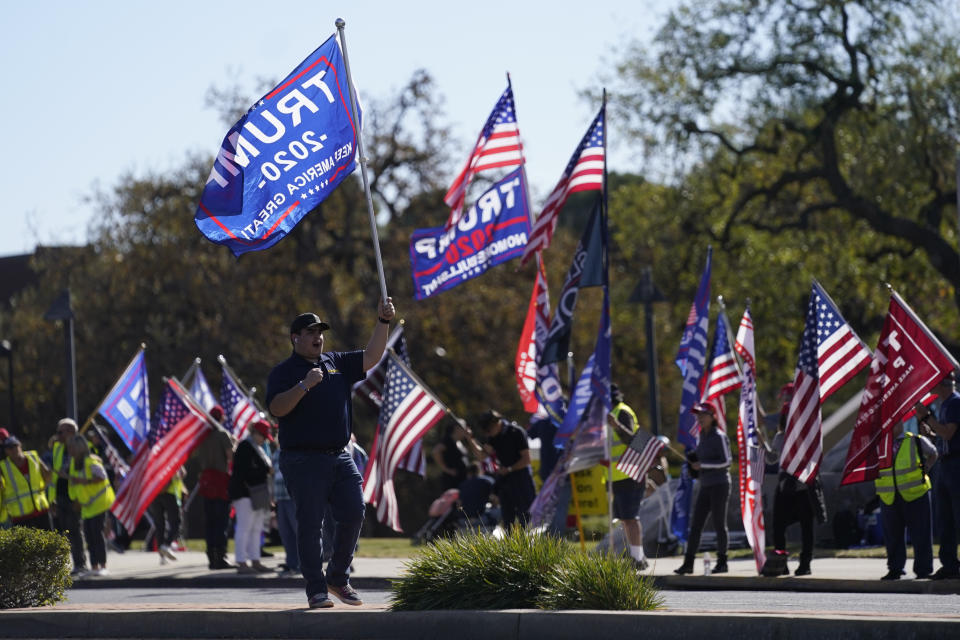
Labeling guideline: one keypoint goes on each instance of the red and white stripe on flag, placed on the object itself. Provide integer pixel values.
(640, 455)
(750, 454)
(408, 412)
(830, 355)
(497, 146)
(584, 172)
(908, 362)
(153, 467)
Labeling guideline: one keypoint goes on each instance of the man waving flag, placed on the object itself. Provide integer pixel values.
(830, 355)
(498, 145)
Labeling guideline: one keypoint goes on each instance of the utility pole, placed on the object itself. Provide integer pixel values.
(61, 310)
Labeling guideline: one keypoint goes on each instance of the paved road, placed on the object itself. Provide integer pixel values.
(744, 601)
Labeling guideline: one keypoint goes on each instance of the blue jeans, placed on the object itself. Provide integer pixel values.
(915, 517)
(948, 510)
(314, 481)
(287, 525)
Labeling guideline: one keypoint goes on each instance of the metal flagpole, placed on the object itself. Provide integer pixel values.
(185, 379)
(604, 213)
(363, 159)
(143, 346)
(248, 392)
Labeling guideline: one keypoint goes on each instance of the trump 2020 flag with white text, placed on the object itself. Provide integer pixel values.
(127, 406)
(494, 230)
(283, 157)
(201, 392)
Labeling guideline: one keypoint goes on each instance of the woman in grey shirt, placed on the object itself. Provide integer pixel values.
(712, 461)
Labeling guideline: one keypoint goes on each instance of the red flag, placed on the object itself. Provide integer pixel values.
(154, 465)
(908, 362)
(408, 412)
(526, 360)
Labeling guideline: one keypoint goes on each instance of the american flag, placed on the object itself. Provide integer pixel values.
(239, 410)
(723, 374)
(584, 172)
(408, 412)
(751, 460)
(640, 455)
(370, 390)
(830, 355)
(154, 464)
(498, 145)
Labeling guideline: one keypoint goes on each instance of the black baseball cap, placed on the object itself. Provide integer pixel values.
(305, 320)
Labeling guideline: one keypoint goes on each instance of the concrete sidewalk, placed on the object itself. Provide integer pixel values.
(135, 569)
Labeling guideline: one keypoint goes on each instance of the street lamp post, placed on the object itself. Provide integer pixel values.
(648, 293)
(6, 350)
(61, 310)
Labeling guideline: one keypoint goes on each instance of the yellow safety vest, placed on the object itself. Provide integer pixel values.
(61, 461)
(23, 496)
(94, 498)
(175, 487)
(906, 476)
(619, 448)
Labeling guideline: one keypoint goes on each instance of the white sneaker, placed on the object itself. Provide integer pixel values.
(166, 551)
(101, 572)
(163, 559)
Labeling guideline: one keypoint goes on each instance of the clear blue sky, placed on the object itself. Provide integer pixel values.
(93, 90)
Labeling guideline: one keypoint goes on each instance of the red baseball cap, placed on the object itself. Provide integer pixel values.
(263, 428)
(703, 407)
(4, 434)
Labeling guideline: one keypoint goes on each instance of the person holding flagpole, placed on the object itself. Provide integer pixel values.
(310, 394)
(712, 461)
(627, 492)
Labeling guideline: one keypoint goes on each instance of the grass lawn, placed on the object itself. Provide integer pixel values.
(404, 548)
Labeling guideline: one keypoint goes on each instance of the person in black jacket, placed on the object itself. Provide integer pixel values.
(515, 489)
(713, 463)
(450, 456)
(249, 491)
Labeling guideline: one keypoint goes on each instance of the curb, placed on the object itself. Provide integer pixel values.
(669, 583)
(463, 625)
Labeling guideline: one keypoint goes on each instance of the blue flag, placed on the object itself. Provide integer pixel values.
(200, 390)
(493, 231)
(283, 158)
(680, 514)
(586, 270)
(127, 406)
(692, 356)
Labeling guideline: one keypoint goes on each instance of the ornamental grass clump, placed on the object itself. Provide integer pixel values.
(519, 571)
(34, 567)
(598, 581)
(471, 571)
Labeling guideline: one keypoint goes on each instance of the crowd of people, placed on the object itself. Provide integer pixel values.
(302, 469)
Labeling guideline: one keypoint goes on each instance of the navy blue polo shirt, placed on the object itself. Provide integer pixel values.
(323, 419)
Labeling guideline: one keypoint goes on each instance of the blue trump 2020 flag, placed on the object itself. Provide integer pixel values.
(127, 406)
(692, 355)
(283, 158)
(494, 230)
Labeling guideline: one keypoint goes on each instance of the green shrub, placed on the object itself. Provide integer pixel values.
(471, 571)
(519, 571)
(34, 567)
(598, 581)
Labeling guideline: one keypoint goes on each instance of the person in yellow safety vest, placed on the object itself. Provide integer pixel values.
(904, 491)
(165, 511)
(23, 483)
(90, 488)
(66, 520)
(627, 492)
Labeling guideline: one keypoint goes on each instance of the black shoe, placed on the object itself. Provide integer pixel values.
(892, 575)
(943, 574)
(641, 565)
(720, 567)
(685, 568)
(802, 570)
(265, 554)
